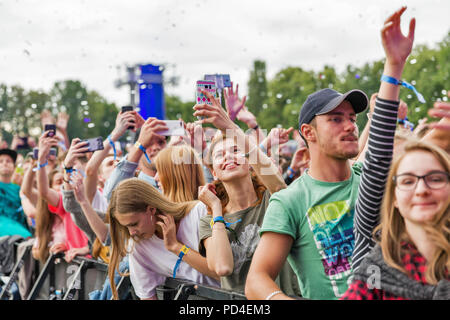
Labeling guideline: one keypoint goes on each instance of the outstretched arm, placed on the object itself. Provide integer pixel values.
(264, 168)
(377, 162)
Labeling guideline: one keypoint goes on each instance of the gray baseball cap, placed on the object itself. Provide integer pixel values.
(326, 100)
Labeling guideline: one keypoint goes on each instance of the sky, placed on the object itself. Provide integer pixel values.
(93, 41)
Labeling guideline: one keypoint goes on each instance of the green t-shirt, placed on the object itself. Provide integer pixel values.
(243, 244)
(12, 217)
(319, 217)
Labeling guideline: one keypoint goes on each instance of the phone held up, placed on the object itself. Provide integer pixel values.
(94, 144)
(51, 128)
(126, 109)
(205, 85)
(35, 155)
(176, 128)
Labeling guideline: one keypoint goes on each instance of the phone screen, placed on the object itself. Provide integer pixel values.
(51, 128)
(94, 144)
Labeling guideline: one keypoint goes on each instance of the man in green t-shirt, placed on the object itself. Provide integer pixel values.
(310, 223)
(12, 218)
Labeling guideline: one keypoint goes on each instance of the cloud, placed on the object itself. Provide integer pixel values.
(91, 41)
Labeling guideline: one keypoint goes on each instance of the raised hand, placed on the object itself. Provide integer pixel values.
(45, 143)
(77, 149)
(232, 101)
(214, 114)
(123, 121)
(148, 134)
(62, 121)
(397, 47)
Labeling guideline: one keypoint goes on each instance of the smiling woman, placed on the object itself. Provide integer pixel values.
(414, 247)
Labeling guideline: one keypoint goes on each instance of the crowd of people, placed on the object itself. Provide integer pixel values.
(340, 215)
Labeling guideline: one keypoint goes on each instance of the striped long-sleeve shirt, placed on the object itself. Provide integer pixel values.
(373, 179)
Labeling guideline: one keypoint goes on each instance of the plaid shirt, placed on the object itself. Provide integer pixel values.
(415, 266)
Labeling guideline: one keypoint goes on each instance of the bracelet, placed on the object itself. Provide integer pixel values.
(113, 146)
(227, 225)
(261, 146)
(183, 251)
(39, 166)
(256, 127)
(293, 172)
(273, 294)
(140, 146)
(405, 84)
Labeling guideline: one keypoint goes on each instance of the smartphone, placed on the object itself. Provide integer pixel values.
(53, 152)
(126, 109)
(52, 129)
(221, 80)
(176, 128)
(206, 85)
(94, 144)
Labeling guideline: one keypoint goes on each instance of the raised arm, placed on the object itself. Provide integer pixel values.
(127, 166)
(381, 137)
(123, 121)
(27, 187)
(263, 166)
(44, 191)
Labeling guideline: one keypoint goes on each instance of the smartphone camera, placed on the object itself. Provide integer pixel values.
(51, 128)
(126, 109)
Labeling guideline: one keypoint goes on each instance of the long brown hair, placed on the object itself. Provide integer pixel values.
(221, 192)
(132, 196)
(393, 230)
(180, 172)
(44, 223)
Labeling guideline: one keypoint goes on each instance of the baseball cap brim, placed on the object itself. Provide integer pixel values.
(357, 99)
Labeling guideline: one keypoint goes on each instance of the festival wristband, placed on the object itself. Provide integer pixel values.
(113, 146)
(293, 172)
(183, 251)
(140, 146)
(405, 84)
(261, 146)
(39, 166)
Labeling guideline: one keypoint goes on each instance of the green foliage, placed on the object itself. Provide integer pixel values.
(427, 69)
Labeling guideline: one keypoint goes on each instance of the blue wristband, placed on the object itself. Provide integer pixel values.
(141, 147)
(39, 166)
(405, 84)
(183, 251)
(263, 148)
(113, 146)
(293, 172)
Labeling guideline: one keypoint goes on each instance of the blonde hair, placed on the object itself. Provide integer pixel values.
(221, 192)
(393, 230)
(132, 196)
(44, 223)
(180, 172)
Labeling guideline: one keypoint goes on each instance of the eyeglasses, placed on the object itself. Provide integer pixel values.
(433, 180)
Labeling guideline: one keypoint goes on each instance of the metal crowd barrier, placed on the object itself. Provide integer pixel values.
(76, 279)
(177, 289)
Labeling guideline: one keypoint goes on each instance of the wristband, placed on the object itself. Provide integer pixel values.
(69, 169)
(39, 166)
(405, 84)
(140, 146)
(256, 127)
(183, 251)
(113, 146)
(227, 225)
(261, 146)
(293, 172)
